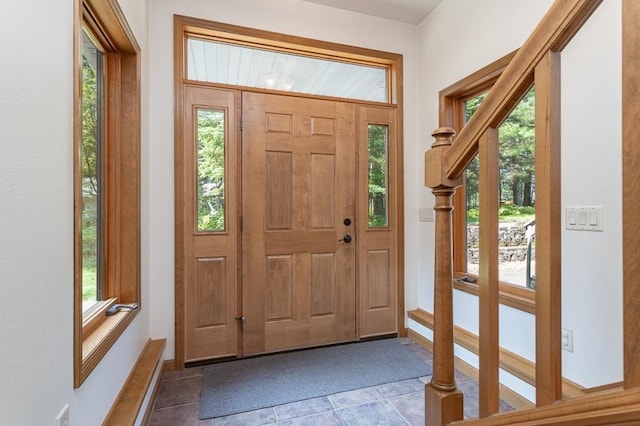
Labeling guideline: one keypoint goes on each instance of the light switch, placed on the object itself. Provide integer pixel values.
(584, 218)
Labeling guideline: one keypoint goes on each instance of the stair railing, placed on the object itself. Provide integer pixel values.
(537, 61)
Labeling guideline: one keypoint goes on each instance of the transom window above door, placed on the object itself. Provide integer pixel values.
(223, 63)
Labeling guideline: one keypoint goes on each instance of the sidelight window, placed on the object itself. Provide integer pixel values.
(211, 170)
(378, 172)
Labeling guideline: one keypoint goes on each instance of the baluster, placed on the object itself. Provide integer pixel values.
(548, 232)
(489, 392)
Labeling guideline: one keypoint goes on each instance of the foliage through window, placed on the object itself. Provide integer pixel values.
(516, 194)
(91, 161)
(378, 175)
(210, 181)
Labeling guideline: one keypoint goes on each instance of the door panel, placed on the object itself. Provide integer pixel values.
(209, 221)
(298, 187)
(377, 233)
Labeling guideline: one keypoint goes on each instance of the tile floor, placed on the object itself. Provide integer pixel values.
(399, 403)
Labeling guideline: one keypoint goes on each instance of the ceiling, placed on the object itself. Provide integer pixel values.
(409, 11)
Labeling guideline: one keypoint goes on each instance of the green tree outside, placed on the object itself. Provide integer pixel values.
(378, 175)
(516, 162)
(90, 162)
(210, 181)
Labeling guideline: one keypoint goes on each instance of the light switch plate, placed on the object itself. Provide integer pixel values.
(425, 214)
(584, 218)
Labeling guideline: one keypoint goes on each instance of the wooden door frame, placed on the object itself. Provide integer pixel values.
(185, 26)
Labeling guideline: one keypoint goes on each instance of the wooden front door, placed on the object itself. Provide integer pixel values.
(275, 222)
(298, 204)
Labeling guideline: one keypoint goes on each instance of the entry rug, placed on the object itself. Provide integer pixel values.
(266, 381)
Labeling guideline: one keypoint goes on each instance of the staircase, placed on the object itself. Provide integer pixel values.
(538, 62)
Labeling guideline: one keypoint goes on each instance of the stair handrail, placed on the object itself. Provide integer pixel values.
(613, 406)
(555, 30)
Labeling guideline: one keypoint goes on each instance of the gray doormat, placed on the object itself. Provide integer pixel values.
(250, 384)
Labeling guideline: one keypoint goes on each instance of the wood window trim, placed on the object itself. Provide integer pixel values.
(451, 101)
(95, 333)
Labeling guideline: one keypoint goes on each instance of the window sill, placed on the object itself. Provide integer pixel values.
(509, 295)
(99, 333)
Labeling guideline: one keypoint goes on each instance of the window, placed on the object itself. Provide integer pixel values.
(458, 103)
(378, 137)
(280, 70)
(516, 191)
(210, 181)
(91, 179)
(106, 182)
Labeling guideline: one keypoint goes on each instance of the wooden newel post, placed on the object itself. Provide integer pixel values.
(443, 401)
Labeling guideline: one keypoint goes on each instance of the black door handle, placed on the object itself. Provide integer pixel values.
(346, 238)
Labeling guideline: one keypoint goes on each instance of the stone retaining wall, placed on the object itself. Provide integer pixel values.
(512, 242)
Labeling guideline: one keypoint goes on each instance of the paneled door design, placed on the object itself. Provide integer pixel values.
(378, 223)
(298, 211)
(206, 211)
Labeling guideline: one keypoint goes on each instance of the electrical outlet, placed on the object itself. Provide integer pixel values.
(567, 339)
(62, 419)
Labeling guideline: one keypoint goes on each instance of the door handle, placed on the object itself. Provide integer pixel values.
(346, 239)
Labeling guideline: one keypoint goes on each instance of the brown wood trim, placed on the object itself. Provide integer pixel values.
(170, 365)
(548, 231)
(285, 42)
(127, 405)
(397, 95)
(604, 408)
(121, 189)
(631, 189)
(555, 29)
(420, 339)
(108, 14)
(77, 193)
(96, 316)
(509, 295)
(422, 317)
(610, 386)
(510, 362)
(95, 346)
(469, 87)
(179, 70)
(290, 94)
(489, 398)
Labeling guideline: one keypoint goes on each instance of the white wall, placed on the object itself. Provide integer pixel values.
(592, 175)
(36, 223)
(464, 36)
(284, 16)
